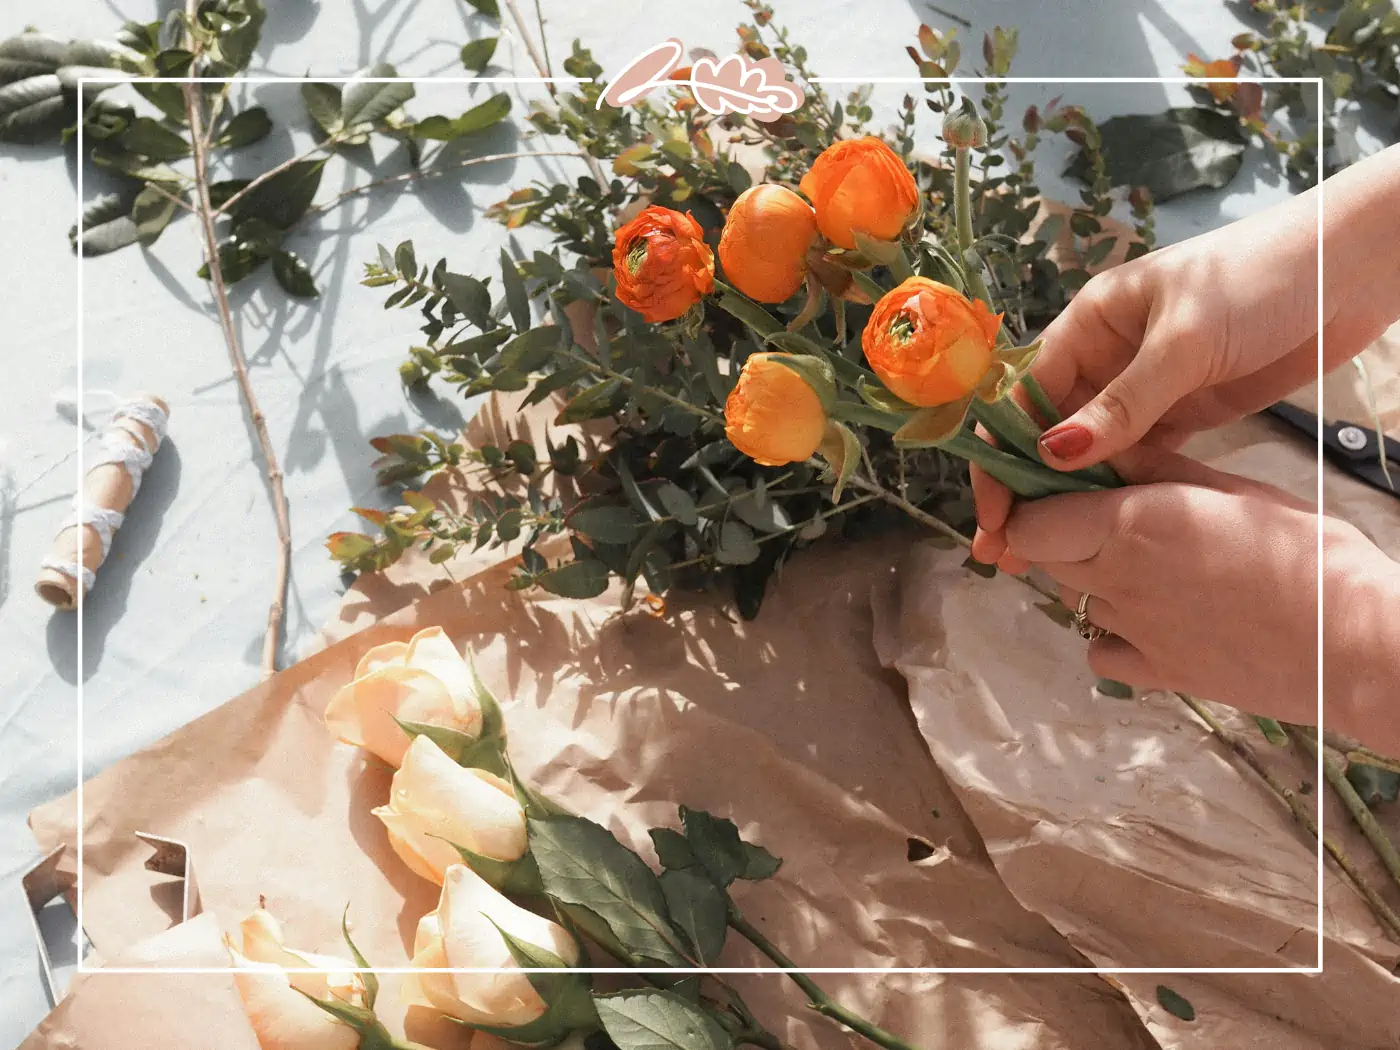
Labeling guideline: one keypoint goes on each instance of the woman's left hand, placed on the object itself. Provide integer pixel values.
(1207, 581)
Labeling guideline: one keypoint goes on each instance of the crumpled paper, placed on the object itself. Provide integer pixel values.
(986, 767)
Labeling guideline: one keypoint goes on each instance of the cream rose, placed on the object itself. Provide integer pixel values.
(463, 932)
(281, 1015)
(422, 680)
(436, 805)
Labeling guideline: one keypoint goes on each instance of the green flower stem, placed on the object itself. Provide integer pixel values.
(745, 309)
(962, 203)
(1028, 480)
(820, 1001)
(1013, 427)
(1041, 400)
(868, 285)
(900, 266)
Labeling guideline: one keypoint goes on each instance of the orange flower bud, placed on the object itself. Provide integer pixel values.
(929, 343)
(662, 263)
(861, 184)
(1196, 66)
(773, 416)
(764, 244)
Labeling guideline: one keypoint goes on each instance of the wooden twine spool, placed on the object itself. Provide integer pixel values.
(126, 446)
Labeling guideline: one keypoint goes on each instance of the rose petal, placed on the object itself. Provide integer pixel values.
(428, 858)
(432, 651)
(381, 656)
(281, 1016)
(367, 712)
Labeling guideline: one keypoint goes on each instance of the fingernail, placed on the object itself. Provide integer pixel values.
(1067, 441)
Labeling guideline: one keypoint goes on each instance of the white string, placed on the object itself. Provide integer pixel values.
(133, 455)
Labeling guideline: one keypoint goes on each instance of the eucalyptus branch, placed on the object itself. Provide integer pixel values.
(830, 512)
(629, 382)
(205, 208)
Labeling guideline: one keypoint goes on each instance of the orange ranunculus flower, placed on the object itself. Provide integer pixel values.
(861, 184)
(929, 343)
(773, 416)
(662, 263)
(764, 244)
(1196, 66)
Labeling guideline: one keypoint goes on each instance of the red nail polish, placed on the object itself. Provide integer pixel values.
(1067, 441)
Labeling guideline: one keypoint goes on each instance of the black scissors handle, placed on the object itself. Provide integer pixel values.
(1355, 449)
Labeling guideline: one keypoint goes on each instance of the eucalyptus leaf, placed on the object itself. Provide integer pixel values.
(469, 297)
(593, 403)
(30, 55)
(1171, 153)
(478, 118)
(606, 523)
(736, 544)
(488, 8)
(586, 578)
(369, 102)
(294, 275)
(152, 139)
(678, 503)
(1175, 1003)
(655, 1019)
(323, 105)
(107, 225)
(33, 110)
(246, 128)
(476, 54)
(151, 212)
(516, 297)
(595, 878)
(283, 199)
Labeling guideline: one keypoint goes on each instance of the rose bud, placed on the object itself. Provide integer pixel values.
(275, 1001)
(928, 343)
(861, 185)
(436, 805)
(662, 263)
(465, 932)
(765, 241)
(773, 415)
(422, 680)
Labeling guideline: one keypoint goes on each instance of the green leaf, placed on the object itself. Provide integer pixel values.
(1170, 153)
(151, 212)
(530, 350)
(509, 876)
(1273, 732)
(33, 110)
(678, 503)
(370, 979)
(654, 1019)
(516, 297)
(244, 129)
(29, 55)
(284, 198)
(716, 844)
(152, 139)
(841, 449)
(672, 849)
(469, 297)
(933, 426)
(606, 523)
(365, 102)
(323, 105)
(294, 275)
(577, 579)
(571, 1010)
(736, 544)
(107, 225)
(1373, 784)
(593, 403)
(478, 118)
(531, 956)
(476, 54)
(1175, 1004)
(759, 864)
(486, 7)
(699, 909)
(604, 887)
(1107, 686)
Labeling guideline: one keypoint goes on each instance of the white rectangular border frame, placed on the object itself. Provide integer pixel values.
(1007, 970)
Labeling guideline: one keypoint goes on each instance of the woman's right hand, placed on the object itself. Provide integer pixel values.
(1211, 329)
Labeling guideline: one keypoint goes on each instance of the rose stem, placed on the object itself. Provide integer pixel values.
(205, 208)
(820, 1001)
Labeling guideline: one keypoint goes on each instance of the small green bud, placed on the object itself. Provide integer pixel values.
(963, 128)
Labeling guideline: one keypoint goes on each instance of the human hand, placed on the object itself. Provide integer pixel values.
(1207, 581)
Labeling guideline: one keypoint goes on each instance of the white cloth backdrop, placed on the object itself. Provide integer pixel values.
(175, 624)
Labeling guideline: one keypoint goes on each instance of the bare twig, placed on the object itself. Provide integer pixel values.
(205, 210)
(425, 173)
(1301, 813)
(172, 198)
(1336, 776)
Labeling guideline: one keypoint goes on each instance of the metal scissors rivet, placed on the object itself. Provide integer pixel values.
(1352, 438)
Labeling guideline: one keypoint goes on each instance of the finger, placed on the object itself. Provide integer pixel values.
(1146, 465)
(1116, 658)
(988, 547)
(1009, 563)
(992, 500)
(1071, 527)
(1101, 324)
(1097, 611)
(1128, 406)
